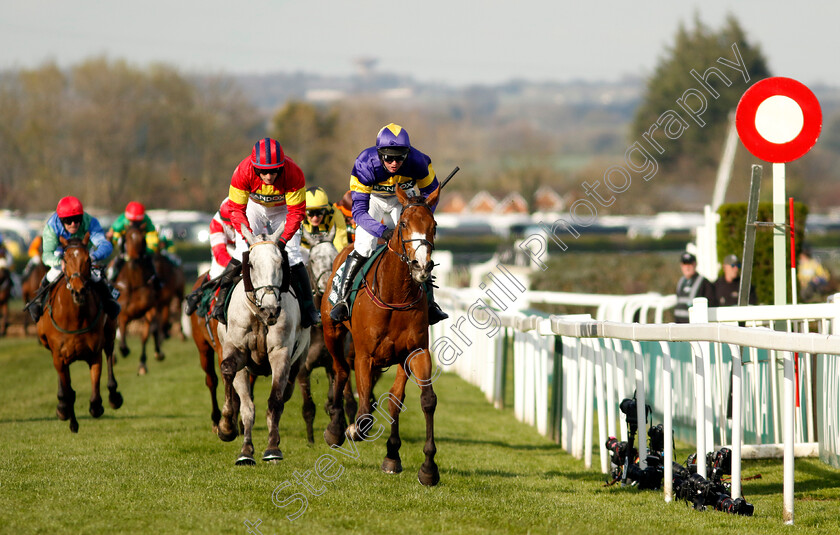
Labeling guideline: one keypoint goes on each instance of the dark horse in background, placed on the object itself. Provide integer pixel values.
(390, 327)
(74, 327)
(5, 294)
(171, 294)
(138, 296)
(29, 287)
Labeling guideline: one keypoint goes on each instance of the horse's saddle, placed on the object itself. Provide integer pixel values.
(357, 281)
(208, 298)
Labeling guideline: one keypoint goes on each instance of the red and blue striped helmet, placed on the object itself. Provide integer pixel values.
(267, 154)
(392, 140)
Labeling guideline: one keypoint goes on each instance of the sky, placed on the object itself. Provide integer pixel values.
(453, 42)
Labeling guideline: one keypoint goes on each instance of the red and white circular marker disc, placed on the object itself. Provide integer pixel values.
(778, 119)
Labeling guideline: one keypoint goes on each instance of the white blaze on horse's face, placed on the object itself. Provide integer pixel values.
(421, 265)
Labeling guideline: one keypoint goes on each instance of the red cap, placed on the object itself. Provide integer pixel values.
(68, 207)
(135, 211)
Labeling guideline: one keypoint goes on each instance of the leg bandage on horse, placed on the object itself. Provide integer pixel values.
(341, 310)
(303, 288)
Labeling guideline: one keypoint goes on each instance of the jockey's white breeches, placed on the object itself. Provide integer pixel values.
(265, 220)
(385, 209)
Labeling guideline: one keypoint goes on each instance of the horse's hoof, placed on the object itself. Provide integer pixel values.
(353, 433)
(226, 436)
(141, 370)
(115, 399)
(245, 460)
(62, 415)
(391, 466)
(272, 455)
(96, 410)
(333, 439)
(124, 351)
(159, 356)
(74, 426)
(428, 479)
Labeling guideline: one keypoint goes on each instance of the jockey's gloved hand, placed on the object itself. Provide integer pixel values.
(387, 233)
(281, 243)
(234, 262)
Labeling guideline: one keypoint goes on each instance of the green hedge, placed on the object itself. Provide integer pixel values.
(730, 238)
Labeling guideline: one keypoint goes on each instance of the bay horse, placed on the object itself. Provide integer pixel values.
(263, 336)
(390, 326)
(322, 253)
(6, 285)
(138, 297)
(74, 327)
(171, 294)
(29, 287)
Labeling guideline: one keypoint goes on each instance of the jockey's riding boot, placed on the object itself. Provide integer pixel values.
(341, 310)
(194, 298)
(226, 280)
(309, 315)
(435, 312)
(109, 295)
(36, 305)
(114, 270)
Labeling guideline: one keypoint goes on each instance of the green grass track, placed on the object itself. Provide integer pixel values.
(154, 466)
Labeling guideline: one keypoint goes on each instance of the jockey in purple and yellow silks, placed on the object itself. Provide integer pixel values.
(70, 221)
(378, 170)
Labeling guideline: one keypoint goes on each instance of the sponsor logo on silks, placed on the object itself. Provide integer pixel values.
(274, 199)
(383, 188)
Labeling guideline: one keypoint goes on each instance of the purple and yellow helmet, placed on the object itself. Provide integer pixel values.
(392, 140)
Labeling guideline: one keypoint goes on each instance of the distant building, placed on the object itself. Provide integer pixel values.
(452, 203)
(482, 203)
(548, 200)
(514, 203)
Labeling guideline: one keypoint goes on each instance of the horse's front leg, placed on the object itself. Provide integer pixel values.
(156, 326)
(280, 369)
(234, 362)
(243, 389)
(421, 367)
(307, 405)
(66, 396)
(96, 410)
(363, 421)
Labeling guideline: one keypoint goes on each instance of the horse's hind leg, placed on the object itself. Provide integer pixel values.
(157, 332)
(66, 396)
(96, 408)
(334, 433)
(208, 364)
(396, 396)
(115, 399)
(227, 427)
(421, 368)
(123, 319)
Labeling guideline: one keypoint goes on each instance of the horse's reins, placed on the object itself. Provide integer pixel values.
(67, 285)
(402, 256)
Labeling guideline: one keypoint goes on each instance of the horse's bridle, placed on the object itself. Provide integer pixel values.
(78, 275)
(251, 292)
(423, 241)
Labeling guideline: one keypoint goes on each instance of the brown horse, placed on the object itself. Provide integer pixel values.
(390, 326)
(5, 295)
(206, 341)
(29, 287)
(171, 294)
(138, 297)
(74, 327)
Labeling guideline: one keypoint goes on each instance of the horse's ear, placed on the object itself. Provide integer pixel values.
(63, 241)
(247, 234)
(402, 196)
(275, 236)
(86, 239)
(331, 233)
(433, 199)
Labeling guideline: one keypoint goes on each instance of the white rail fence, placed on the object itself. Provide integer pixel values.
(564, 369)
